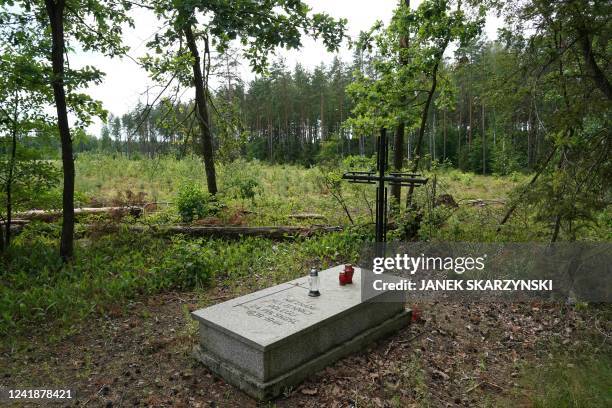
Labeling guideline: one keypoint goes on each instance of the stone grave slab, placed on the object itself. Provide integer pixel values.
(268, 341)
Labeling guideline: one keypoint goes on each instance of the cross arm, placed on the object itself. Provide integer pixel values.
(361, 177)
(403, 179)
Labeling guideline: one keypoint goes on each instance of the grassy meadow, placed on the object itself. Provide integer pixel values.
(280, 191)
(102, 177)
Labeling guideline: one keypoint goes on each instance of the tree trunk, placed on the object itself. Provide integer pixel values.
(470, 126)
(398, 143)
(424, 115)
(494, 129)
(599, 77)
(227, 231)
(55, 12)
(432, 138)
(51, 215)
(398, 159)
(202, 110)
(419, 142)
(484, 142)
(322, 104)
(532, 182)
(444, 133)
(460, 135)
(529, 141)
(556, 229)
(9, 180)
(409, 146)
(278, 232)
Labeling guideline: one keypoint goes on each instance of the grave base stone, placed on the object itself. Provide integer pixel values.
(269, 341)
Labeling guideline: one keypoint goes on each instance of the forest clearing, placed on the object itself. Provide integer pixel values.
(196, 196)
(113, 292)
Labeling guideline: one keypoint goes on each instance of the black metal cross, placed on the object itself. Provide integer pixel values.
(380, 177)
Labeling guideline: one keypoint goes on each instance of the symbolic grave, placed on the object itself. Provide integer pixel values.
(269, 341)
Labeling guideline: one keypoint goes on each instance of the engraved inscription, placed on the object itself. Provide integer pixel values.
(280, 311)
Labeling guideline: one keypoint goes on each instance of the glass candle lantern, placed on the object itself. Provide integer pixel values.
(313, 281)
(342, 278)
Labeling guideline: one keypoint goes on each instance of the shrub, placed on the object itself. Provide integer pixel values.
(244, 186)
(359, 163)
(466, 178)
(505, 159)
(241, 180)
(194, 203)
(329, 149)
(185, 265)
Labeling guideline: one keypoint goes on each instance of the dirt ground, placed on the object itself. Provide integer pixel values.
(140, 355)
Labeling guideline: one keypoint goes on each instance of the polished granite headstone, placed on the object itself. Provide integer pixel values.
(268, 341)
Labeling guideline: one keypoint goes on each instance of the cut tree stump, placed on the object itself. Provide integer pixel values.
(447, 200)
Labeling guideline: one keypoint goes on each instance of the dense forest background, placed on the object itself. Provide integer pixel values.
(486, 119)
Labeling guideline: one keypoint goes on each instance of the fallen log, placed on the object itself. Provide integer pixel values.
(53, 215)
(15, 222)
(227, 231)
(279, 232)
(306, 216)
(479, 202)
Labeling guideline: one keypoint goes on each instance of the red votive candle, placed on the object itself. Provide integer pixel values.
(349, 271)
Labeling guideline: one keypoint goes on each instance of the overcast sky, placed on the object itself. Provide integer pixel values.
(125, 82)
